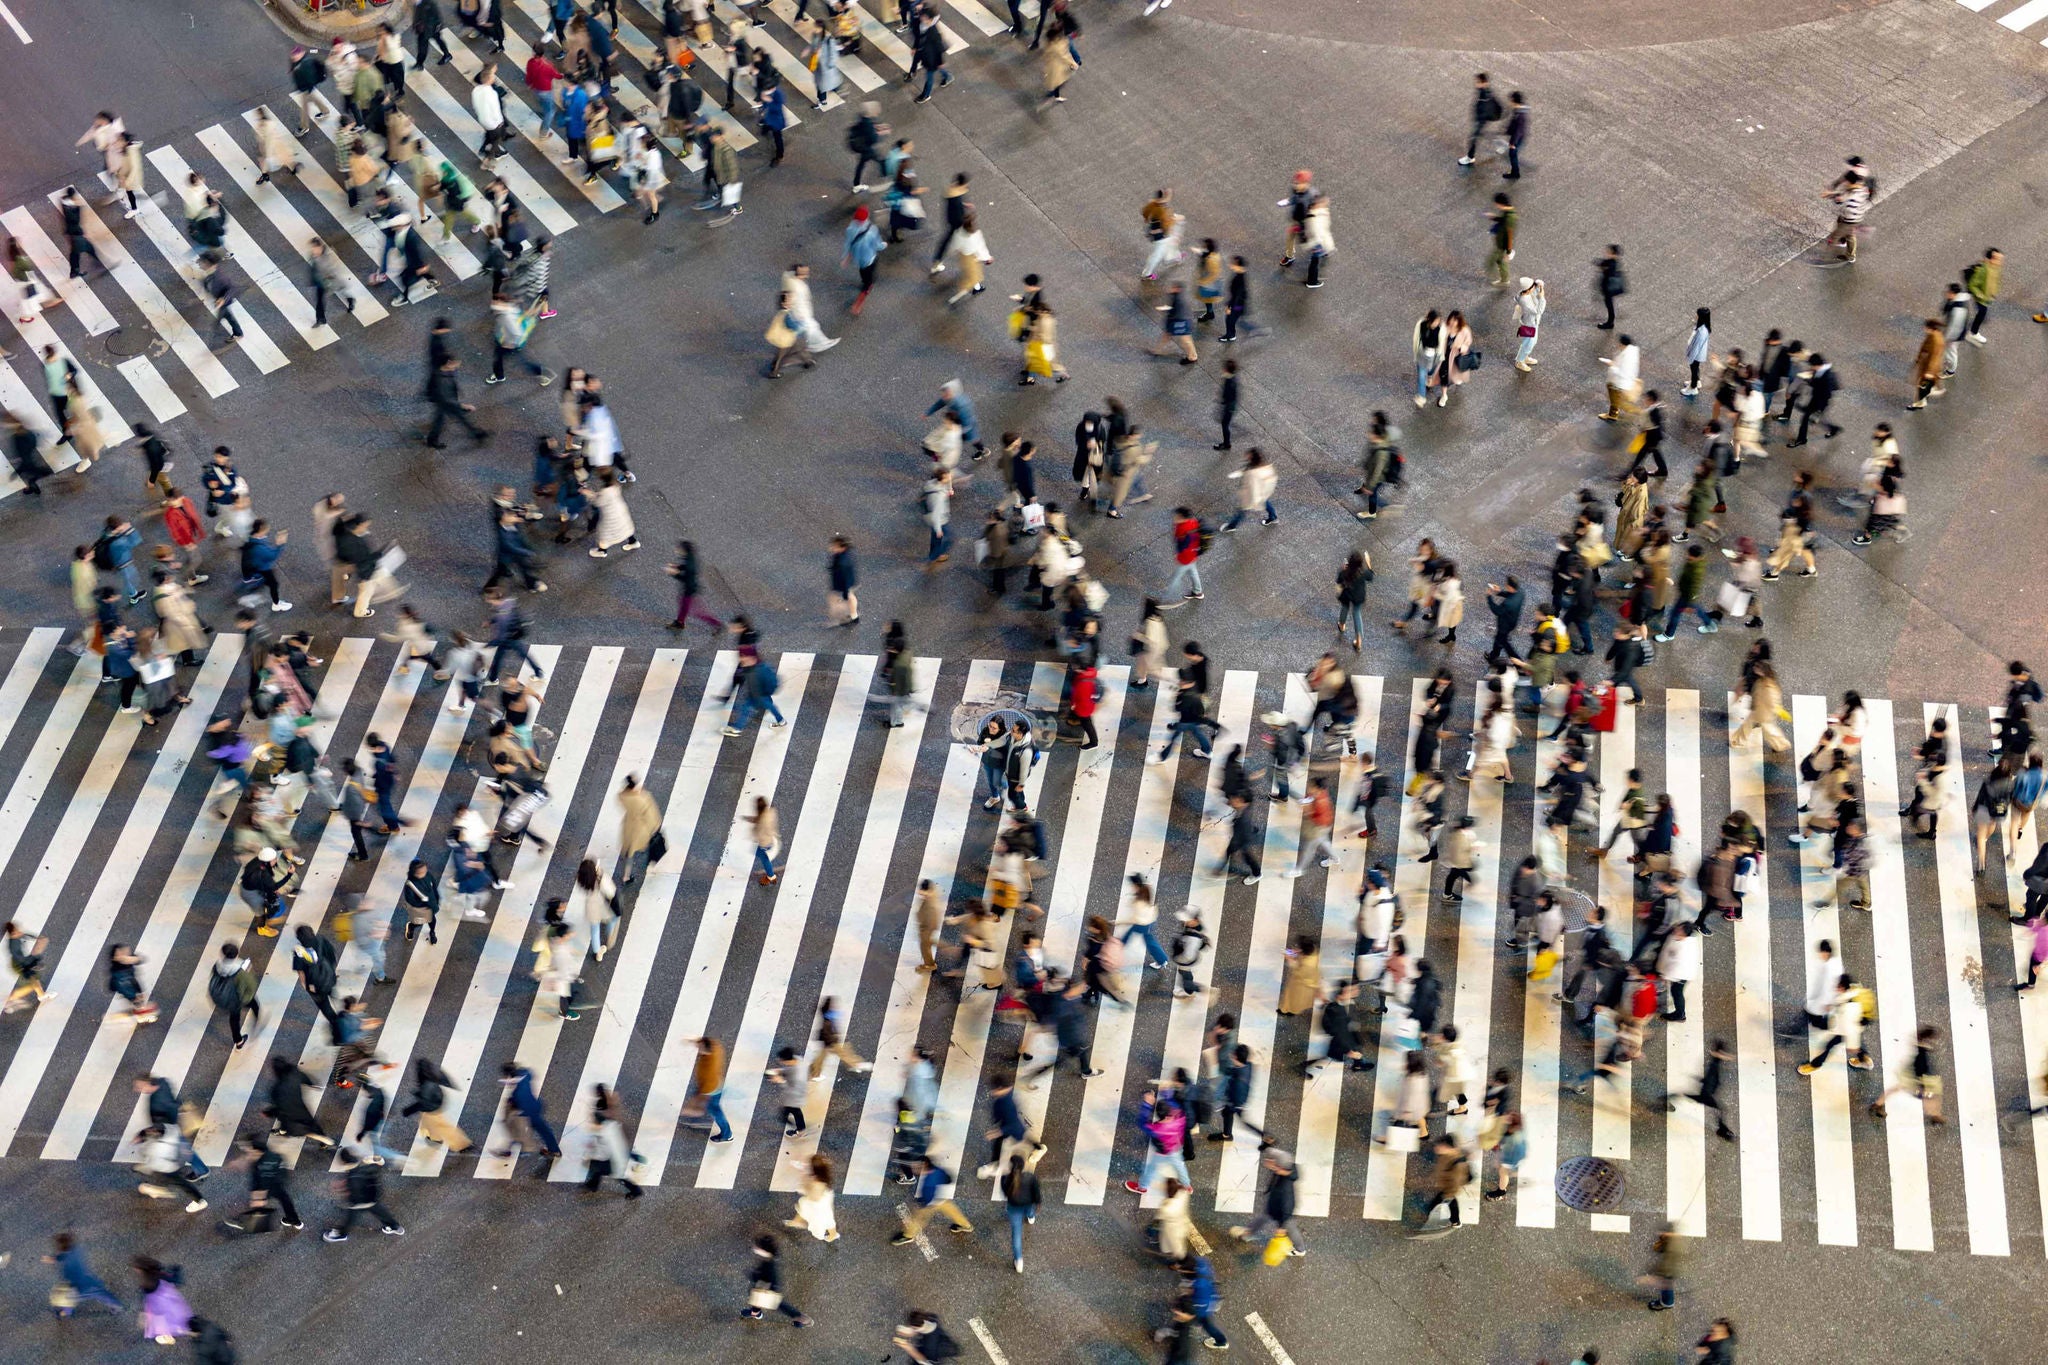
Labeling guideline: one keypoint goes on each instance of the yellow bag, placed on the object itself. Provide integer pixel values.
(1038, 358)
(780, 333)
(1018, 321)
(1544, 965)
(1278, 1249)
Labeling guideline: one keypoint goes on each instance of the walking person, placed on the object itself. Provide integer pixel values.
(362, 1192)
(1255, 484)
(1022, 1195)
(1530, 303)
(1458, 359)
(764, 1284)
(1609, 282)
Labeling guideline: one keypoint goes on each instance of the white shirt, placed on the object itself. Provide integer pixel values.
(1143, 911)
(1625, 368)
(490, 109)
(1821, 987)
(1679, 960)
(600, 437)
(474, 833)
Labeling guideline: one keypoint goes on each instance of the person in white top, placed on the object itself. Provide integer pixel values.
(1624, 378)
(105, 134)
(489, 104)
(600, 900)
(1256, 482)
(1529, 306)
(1678, 962)
(649, 179)
(1822, 984)
(972, 248)
(796, 283)
(1139, 922)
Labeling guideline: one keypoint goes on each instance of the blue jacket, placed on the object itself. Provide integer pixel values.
(931, 1185)
(263, 553)
(863, 243)
(774, 113)
(574, 104)
(1008, 1120)
(1203, 1288)
(963, 408)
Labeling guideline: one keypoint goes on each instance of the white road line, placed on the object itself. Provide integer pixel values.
(540, 206)
(794, 73)
(629, 95)
(857, 913)
(988, 1342)
(1755, 1034)
(1386, 1172)
(387, 884)
(1614, 1101)
(506, 939)
(172, 246)
(635, 42)
(713, 941)
(254, 262)
(32, 779)
(868, 1162)
(1095, 1137)
(14, 23)
(83, 944)
(600, 194)
(619, 1009)
(1969, 1031)
(38, 333)
(1322, 1094)
(55, 267)
(882, 38)
(753, 1046)
(231, 923)
(149, 386)
(542, 1031)
(275, 991)
(157, 311)
(979, 16)
(1977, 6)
(283, 216)
(1685, 1134)
(1188, 1021)
(315, 180)
(1536, 1185)
(1268, 1340)
(954, 42)
(424, 962)
(1834, 1158)
(852, 68)
(1067, 909)
(17, 398)
(1472, 1001)
(960, 1067)
(1892, 937)
(1258, 1011)
(2026, 16)
(2033, 1005)
(446, 244)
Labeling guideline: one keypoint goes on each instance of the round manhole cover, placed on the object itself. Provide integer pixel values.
(1590, 1183)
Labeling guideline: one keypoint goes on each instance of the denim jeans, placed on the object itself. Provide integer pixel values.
(1017, 1217)
(1186, 574)
(743, 711)
(1423, 370)
(1238, 515)
(1173, 1163)
(714, 1114)
(1522, 351)
(1154, 954)
(942, 541)
(764, 861)
(1352, 616)
(550, 113)
(1197, 732)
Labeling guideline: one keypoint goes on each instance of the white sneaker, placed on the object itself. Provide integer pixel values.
(1152, 7)
(280, 606)
(195, 1206)
(474, 914)
(1251, 881)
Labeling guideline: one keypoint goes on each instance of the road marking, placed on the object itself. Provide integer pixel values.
(55, 267)
(448, 245)
(1969, 1041)
(1755, 1037)
(84, 943)
(231, 924)
(2026, 16)
(172, 246)
(1834, 1157)
(1614, 1101)
(598, 192)
(924, 1243)
(960, 1076)
(1322, 1095)
(505, 940)
(1268, 1340)
(1685, 1134)
(753, 1046)
(868, 1162)
(1258, 1012)
(157, 311)
(1542, 1024)
(150, 387)
(2033, 1005)
(253, 262)
(988, 1343)
(14, 23)
(1067, 907)
(542, 1031)
(1386, 1172)
(1095, 1136)
(722, 905)
(1892, 938)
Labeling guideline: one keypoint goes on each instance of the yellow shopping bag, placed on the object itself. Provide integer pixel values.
(1278, 1249)
(1544, 965)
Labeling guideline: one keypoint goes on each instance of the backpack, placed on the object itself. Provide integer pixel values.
(1397, 469)
(1205, 536)
(1489, 107)
(224, 991)
(1807, 771)
(103, 554)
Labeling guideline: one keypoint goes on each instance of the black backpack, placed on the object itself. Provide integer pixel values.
(103, 554)
(1489, 107)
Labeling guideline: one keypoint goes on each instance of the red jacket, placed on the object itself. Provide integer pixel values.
(1187, 540)
(541, 74)
(1082, 702)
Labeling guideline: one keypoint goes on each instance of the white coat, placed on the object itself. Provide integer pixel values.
(614, 522)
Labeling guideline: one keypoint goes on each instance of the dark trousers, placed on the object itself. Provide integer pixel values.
(268, 578)
(1503, 636)
(1016, 18)
(320, 293)
(518, 353)
(1976, 318)
(1608, 301)
(444, 411)
(351, 1212)
(439, 39)
(516, 648)
(278, 1199)
(775, 135)
(1472, 142)
(1455, 881)
(1514, 161)
(1224, 417)
(1449, 1201)
(1231, 317)
(1806, 416)
(1677, 989)
(1080, 1054)
(235, 1013)
(76, 247)
(860, 165)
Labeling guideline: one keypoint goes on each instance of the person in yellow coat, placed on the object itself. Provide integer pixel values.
(1058, 66)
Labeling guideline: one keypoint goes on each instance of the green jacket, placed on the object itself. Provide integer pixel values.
(725, 164)
(1982, 281)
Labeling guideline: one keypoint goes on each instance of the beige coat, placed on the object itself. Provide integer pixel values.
(1656, 562)
(1175, 1223)
(1628, 523)
(1057, 65)
(1299, 980)
(181, 630)
(639, 819)
(1460, 343)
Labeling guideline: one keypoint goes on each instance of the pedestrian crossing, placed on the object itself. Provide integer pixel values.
(106, 838)
(151, 265)
(2018, 15)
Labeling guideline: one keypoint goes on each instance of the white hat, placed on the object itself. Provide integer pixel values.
(268, 855)
(1527, 280)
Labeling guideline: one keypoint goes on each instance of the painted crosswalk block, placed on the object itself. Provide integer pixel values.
(153, 287)
(2029, 17)
(107, 838)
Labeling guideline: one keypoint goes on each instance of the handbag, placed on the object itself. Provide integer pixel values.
(1525, 330)
(1403, 1137)
(763, 1299)
(657, 847)
(780, 334)
(1278, 1249)
(1469, 361)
